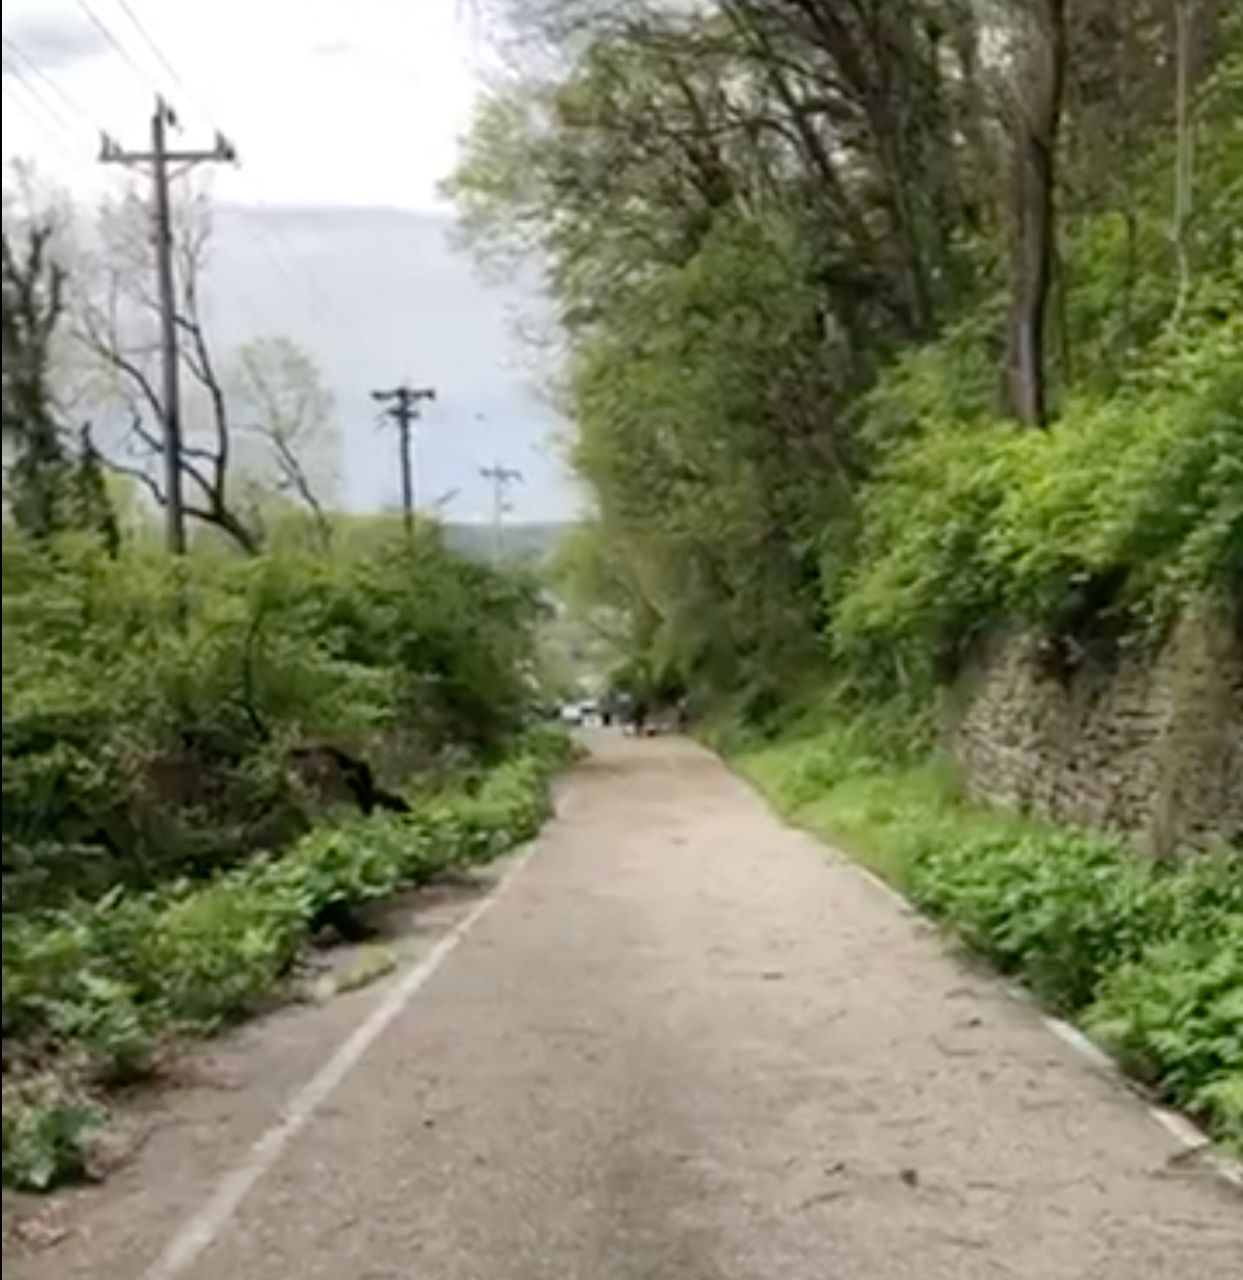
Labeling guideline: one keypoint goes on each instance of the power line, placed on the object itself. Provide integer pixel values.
(104, 30)
(271, 237)
(501, 477)
(15, 52)
(270, 240)
(54, 114)
(43, 115)
(18, 58)
(307, 289)
(149, 41)
(312, 298)
(38, 118)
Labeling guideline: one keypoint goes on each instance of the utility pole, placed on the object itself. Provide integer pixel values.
(501, 477)
(404, 410)
(159, 158)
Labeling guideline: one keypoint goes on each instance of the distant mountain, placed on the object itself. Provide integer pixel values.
(522, 542)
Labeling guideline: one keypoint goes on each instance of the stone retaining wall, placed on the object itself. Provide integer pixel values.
(1148, 741)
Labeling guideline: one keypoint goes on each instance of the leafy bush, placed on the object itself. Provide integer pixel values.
(47, 1134)
(1149, 957)
(97, 984)
(1174, 1016)
(1132, 504)
(1059, 908)
(136, 751)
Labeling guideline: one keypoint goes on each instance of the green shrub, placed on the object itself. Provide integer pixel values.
(1149, 957)
(1174, 1016)
(47, 1135)
(1130, 505)
(93, 987)
(105, 1022)
(216, 950)
(1053, 907)
(136, 751)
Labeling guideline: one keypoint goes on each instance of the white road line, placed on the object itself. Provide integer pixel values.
(203, 1227)
(1178, 1126)
(899, 900)
(1183, 1130)
(1085, 1048)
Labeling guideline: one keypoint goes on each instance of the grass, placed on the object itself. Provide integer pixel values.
(1147, 958)
(856, 782)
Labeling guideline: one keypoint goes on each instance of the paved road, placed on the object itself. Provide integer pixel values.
(686, 1045)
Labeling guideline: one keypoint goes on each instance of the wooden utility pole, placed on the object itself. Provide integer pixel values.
(404, 410)
(159, 158)
(501, 477)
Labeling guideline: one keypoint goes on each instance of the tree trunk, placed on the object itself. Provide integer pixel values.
(1038, 117)
(1184, 30)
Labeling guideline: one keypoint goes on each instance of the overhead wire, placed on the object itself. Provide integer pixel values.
(137, 23)
(20, 62)
(38, 117)
(22, 66)
(106, 32)
(269, 237)
(282, 257)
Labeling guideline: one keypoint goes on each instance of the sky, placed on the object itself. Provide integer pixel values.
(346, 114)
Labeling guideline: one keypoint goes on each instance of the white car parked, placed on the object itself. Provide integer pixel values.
(584, 714)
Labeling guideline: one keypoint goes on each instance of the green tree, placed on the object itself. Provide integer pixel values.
(37, 466)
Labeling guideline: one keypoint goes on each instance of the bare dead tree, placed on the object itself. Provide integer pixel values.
(287, 410)
(113, 315)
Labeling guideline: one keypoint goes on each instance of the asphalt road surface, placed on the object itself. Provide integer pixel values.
(684, 1043)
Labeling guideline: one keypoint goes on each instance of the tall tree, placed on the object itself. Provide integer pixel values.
(33, 299)
(791, 241)
(1039, 77)
(1186, 14)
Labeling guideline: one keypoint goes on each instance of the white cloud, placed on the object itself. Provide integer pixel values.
(338, 108)
(337, 102)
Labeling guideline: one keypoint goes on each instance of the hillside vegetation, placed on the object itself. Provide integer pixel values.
(888, 325)
(218, 747)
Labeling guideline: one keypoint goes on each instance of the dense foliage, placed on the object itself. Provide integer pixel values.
(94, 989)
(791, 246)
(1131, 507)
(135, 748)
(1148, 956)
